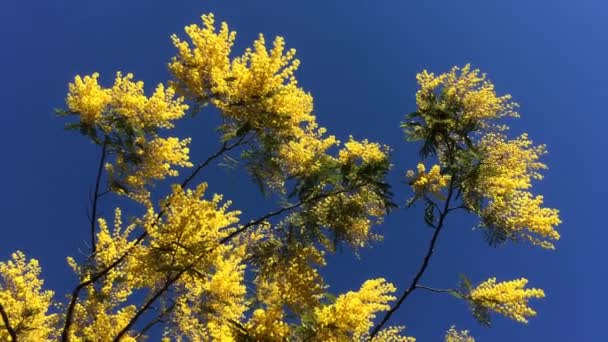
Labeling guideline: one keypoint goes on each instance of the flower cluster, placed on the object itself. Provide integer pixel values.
(306, 153)
(391, 334)
(352, 314)
(258, 88)
(124, 104)
(432, 182)
(25, 303)
(363, 151)
(129, 122)
(299, 285)
(466, 90)
(150, 160)
(453, 335)
(509, 298)
(506, 173)
(350, 216)
(202, 69)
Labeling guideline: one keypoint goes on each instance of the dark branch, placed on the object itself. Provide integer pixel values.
(225, 148)
(96, 196)
(7, 324)
(423, 266)
(156, 320)
(94, 278)
(149, 303)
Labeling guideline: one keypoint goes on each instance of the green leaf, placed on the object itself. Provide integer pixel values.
(72, 126)
(429, 214)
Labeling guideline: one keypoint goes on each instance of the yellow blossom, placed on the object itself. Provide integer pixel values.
(465, 90)
(25, 303)
(299, 285)
(391, 334)
(197, 225)
(453, 335)
(258, 88)
(352, 314)
(124, 104)
(432, 182)
(203, 68)
(304, 155)
(351, 215)
(509, 298)
(141, 112)
(105, 309)
(505, 175)
(87, 98)
(363, 151)
(267, 323)
(263, 90)
(152, 160)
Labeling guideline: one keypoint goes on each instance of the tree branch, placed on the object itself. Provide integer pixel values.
(155, 321)
(7, 324)
(423, 266)
(149, 303)
(225, 148)
(96, 196)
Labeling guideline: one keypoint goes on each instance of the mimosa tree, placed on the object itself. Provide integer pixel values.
(190, 268)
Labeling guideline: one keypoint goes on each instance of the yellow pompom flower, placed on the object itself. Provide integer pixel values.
(268, 323)
(509, 298)
(105, 309)
(263, 90)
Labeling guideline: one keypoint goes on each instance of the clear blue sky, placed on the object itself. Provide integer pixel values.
(359, 59)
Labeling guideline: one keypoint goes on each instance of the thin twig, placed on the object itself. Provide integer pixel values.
(432, 289)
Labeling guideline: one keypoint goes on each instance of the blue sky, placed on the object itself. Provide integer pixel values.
(359, 60)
